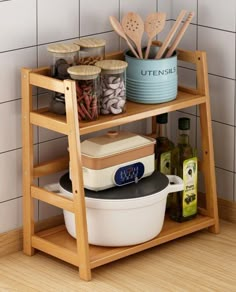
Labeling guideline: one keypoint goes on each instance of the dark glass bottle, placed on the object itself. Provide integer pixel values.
(164, 149)
(184, 204)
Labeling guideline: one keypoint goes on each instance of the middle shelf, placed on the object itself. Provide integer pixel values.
(134, 112)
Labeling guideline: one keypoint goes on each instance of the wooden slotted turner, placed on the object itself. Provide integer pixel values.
(153, 24)
(179, 35)
(119, 30)
(133, 26)
(170, 35)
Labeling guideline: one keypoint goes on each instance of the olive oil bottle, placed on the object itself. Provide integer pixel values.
(164, 148)
(184, 204)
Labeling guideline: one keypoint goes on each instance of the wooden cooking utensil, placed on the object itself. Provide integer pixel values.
(170, 35)
(153, 24)
(179, 35)
(133, 26)
(119, 30)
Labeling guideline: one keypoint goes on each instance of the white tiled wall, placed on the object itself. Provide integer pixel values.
(28, 26)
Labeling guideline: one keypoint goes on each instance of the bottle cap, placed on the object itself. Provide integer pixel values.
(162, 119)
(184, 123)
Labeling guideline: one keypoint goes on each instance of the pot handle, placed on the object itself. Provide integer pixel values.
(176, 184)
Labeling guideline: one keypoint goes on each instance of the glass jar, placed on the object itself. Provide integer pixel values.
(113, 86)
(63, 56)
(91, 50)
(87, 90)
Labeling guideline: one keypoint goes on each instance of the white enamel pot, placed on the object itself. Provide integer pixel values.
(125, 215)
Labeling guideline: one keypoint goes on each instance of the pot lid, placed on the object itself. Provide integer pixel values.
(112, 143)
(147, 186)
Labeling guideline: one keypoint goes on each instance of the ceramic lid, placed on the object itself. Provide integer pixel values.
(83, 72)
(63, 48)
(90, 43)
(112, 143)
(145, 187)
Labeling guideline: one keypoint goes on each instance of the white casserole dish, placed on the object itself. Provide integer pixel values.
(124, 216)
(116, 159)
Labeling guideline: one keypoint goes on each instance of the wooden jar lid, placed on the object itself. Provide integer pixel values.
(63, 48)
(112, 65)
(84, 72)
(90, 43)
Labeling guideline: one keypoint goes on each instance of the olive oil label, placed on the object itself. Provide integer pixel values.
(190, 187)
(165, 162)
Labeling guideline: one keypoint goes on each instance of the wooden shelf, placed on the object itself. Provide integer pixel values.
(134, 112)
(102, 255)
(56, 241)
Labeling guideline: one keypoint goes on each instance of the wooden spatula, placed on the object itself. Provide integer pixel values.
(153, 24)
(119, 30)
(170, 35)
(133, 26)
(179, 35)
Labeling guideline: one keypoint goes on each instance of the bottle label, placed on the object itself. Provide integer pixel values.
(165, 162)
(190, 187)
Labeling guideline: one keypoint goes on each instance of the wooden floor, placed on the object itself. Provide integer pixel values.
(198, 262)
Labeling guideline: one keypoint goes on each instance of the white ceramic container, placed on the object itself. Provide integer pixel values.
(125, 215)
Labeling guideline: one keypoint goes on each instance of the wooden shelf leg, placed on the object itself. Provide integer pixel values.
(208, 166)
(77, 181)
(27, 163)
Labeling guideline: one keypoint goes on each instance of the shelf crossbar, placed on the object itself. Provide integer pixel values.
(52, 198)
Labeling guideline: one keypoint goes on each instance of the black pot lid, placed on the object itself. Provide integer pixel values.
(145, 187)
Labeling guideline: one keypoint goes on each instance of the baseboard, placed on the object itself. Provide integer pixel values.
(227, 210)
(12, 241)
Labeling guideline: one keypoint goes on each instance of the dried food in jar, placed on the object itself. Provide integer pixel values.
(92, 50)
(87, 90)
(113, 96)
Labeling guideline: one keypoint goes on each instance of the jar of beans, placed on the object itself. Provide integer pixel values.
(63, 56)
(91, 50)
(87, 78)
(113, 86)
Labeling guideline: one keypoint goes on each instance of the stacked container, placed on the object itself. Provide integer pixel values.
(113, 86)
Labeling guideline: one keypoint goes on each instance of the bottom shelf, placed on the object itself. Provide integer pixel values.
(57, 242)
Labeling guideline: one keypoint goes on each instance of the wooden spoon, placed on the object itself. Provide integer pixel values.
(119, 30)
(179, 35)
(153, 24)
(133, 26)
(170, 35)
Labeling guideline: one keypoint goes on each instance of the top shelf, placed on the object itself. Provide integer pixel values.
(134, 112)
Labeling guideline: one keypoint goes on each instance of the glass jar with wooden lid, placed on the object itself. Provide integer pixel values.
(87, 78)
(113, 86)
(63, 55)
(91, 50)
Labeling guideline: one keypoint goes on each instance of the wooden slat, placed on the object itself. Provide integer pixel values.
(49, 122)
(50, 167)
(52, 198)
(53, 249)
(47, 82)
